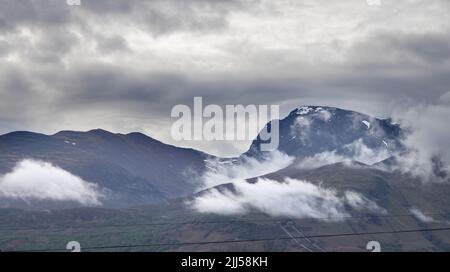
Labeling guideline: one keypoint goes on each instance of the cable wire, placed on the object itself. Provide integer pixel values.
(248, 240)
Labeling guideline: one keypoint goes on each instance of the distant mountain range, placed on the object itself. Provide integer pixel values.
(134, 169)
(330, 162)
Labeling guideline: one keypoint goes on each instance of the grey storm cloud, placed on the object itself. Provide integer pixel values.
(156, 15)
(122, 65)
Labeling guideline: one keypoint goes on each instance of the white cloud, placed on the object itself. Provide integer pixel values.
(301, 129)
(37, 180)
(360, 202)
(421, 216)
(323, 115)
(365, 154)
(225, 203)
(292, 198)
(322, 159)
(221, 172)
(343, 54)
(428, 140)
(357, 150)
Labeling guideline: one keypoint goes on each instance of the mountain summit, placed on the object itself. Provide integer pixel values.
(312, 130)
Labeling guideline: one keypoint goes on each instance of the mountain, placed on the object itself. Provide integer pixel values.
(392, 191)
(311, 130)
(173, 226)
(131, 169)
(341, 166)
(134, 169)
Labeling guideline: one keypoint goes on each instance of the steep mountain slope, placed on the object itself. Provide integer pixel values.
(131, 169)
(312, 130)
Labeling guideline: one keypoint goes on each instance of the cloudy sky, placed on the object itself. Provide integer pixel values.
(122, 65)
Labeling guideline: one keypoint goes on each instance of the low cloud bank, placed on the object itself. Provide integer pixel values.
(291, 198)
(36, 180)
(365, 154)
(421, 216)
(428, 140)
(357, 151)
(322, 159)
(221, 172)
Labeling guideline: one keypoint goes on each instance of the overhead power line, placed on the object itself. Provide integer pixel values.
(248, 240)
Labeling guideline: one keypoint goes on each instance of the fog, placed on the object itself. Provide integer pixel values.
(37, 180)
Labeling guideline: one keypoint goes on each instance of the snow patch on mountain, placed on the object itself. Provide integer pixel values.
(70, 143)
(304, 110)
(367, 123)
